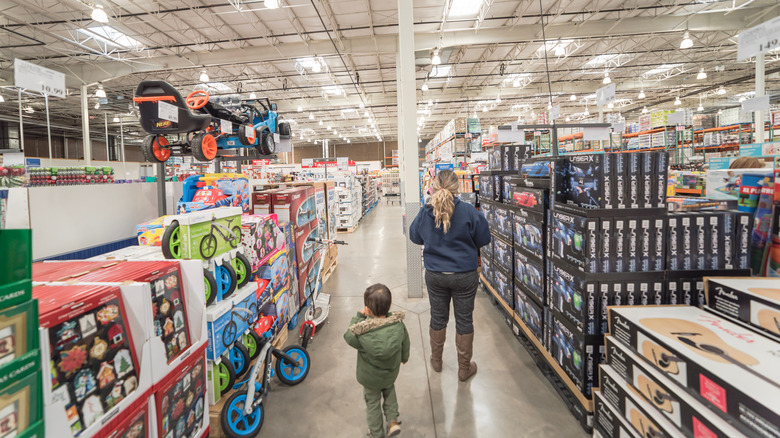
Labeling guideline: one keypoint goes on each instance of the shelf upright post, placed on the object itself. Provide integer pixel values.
(760, 90)
(87, 146)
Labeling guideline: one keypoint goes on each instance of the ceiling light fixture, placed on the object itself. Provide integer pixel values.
(475, 114)
(29, 110)
(516, 83)
(742, 98)
(430, 102)
(702, 74)
(99, 14)
(484, 109)
(587, 113)
(498, 99)
(311, 116)
(721, 91)
(100, 91)
(254, 96)
(436, 59)
(116, 120)
(700, 108)
(687, 42)
(365, 114)
(677, 101)
(2, 99)
(271, 4)
(720, 111)
(559, 50)
(573, 98)
(203, 76)
(606, 80)
(97, 105)
(424, 87)
(610, 105)
(317, 67)
(641, 94)
(362, 105)
(329, 128)
(300, 108)
(644, 110)
(320, 122)
(568, 119)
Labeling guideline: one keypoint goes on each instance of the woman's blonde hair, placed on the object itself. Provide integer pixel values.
(445, 187)
(746, 163)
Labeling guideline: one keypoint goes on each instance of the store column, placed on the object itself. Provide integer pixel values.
(86, 145)
(407, 143)
(760, 91)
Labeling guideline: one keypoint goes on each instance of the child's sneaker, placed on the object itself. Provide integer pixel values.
(394, 428)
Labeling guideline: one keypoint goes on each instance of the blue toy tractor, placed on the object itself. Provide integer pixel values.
(266, 123)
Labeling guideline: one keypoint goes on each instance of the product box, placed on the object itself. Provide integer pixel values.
(296, 205)
(658, 244)
(577, 354)
(304, 249)
(608, 422)
(529, 275)
(743, 229)
(487, 250)
(673, 253)
(580, 179)
(528, 230)
(486, 186)
(134, 422)
(180, 401)
(661, 177)
(229, 319)
(620, 242)
(530, 311)
(503, 285)
(535, 169)
(575, 296)
(16, 266)
(687, 414)
(575, 240)
(150, 233)
(525, 197)
(261, 238)
(718, 362)
(488, 271)
(646, 288)
(620, 181)
(632, 247)
(687, 287)
(649, 185)
(503, 254)
(502, 221)
(21, 405)
(498, 185)
(643, 417)
(207, 234)
(633, 177)
(488, 210)
(755, 301)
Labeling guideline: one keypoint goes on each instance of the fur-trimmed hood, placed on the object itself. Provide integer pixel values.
(370, 324)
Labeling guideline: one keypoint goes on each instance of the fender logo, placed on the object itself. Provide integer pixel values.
(163, 124)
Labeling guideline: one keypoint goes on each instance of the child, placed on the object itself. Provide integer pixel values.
(382, 342)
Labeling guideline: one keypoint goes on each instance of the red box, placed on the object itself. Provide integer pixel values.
(63, 271)
(133, 422)
(302, 273)
(295, 205)
(262, 202)
(181, 398)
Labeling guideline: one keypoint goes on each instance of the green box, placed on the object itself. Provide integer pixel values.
(16, 248)
(18, 335)
(21, 395)
(198, 239)
(15, 293)
(37, 430)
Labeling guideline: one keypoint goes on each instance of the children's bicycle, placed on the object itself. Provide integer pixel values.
(319, 303)
(230, 332)
(242, 415)
(208, 245)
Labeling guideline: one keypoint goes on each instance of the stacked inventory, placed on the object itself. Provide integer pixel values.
(391, 183)
(685, 372)
(59, 176)
(371, 189)
(349, 198)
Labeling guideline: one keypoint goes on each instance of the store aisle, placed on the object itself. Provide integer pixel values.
(507, 398)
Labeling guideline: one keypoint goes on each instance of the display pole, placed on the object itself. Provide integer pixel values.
(108, 155)
(21, 122)
(122, 146)
(407, 141)
(48, 126)
(87, 146)
(161, 189)
(760, 90)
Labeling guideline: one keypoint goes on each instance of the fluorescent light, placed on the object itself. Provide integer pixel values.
(29, 110)
(349, 141)
(252, 96)
(99, 15)
(329, 128)
(112, 37)
(606, 80)
(203, 76)
(300, 108)
(677, 101)
(436, 59)
(687, 42)
(425, 87)
(641, 94)
(702, 75)
(587, 113)
(573, 98)
(271, 4)
(116, 120)
(644, 110)
(316, 67)
(100, 91)
(610, 105)
(333, 89)
(601, 60)
(475, 114)
(311, 116)
(464, 8)
(560, 50)
(721, 91)
(97, 105)
(335, 132)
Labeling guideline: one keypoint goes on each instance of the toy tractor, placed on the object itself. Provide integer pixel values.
(266, 122)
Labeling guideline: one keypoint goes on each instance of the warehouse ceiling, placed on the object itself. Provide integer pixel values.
(335, 61)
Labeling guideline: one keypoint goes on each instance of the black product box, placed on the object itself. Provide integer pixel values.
(503, 253)
(743, 227)
(495, 159)
(487, 250)
(529, 274)
(681, 409)
(581, 180)
(487, 271)
(687, 287)
(485, 186)
(507, 158)
(578, 354)
(619, 178)
(525, 197)
(649, 185)
(673, 241)
(528, 231)
(700, 234)
(625, 289)
(575, 296)
(646, 236)
(530, 312)
(634, 176)
(642, 415)
(729, 368)
(609, 423)
(498, 186)
(754, 301)
(619, 239)
(488, 209)
(548, 323)
(575, 240)
(658, 241)
(535, 169)
(685, 242)
(503, 285)
(661, 175)
(606, 248)
(713, 244)
(632, 249)
(502, 220)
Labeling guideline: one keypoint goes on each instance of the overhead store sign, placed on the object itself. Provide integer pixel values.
(33, 77)
(606, 94)
(757, 104)
(759, 39)
(319, 164)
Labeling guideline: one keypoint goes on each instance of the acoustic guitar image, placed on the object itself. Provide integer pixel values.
(644, 425)
(770, 320)
(772, 294)
(662, 358)
(654, 393)
(704, 342)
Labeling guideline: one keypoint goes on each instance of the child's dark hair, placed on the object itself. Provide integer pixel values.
(378, 299)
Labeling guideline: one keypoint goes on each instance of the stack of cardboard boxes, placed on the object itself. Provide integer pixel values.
(349, 196)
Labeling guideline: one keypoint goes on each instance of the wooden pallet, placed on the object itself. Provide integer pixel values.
(347, 230)
(329, 271)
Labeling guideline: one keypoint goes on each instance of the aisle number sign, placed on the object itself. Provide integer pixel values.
(605, 95)
(33, 77)
(759, 39)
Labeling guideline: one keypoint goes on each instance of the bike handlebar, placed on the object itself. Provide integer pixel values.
(335, 242)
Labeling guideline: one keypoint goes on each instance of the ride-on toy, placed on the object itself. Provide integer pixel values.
(266, 124)
(319, 303)
(242, 414)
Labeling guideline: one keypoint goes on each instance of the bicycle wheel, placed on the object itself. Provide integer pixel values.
(171, 241)
(236, 230)
(226, 279)
(208, 246)
(229, 333)
(210, 284)
(243, 269)
(239, 357)
(226, 375)
(251, 341)
(293, 375)
(235, 423)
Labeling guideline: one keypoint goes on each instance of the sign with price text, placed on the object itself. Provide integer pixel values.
(39, 79)
(759, 39)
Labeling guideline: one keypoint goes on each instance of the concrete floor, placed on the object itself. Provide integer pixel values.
(507, 398)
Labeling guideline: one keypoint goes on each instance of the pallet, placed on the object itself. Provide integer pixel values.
(329, 271)
(347, 230)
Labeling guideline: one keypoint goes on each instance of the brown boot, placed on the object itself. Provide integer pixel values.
(437, 347)
(464, 345)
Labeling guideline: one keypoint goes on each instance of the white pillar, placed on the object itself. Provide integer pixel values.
(108, 154)
(760, 91)
(21, 121)
(407, 142)
(48, 126)
(85, 126)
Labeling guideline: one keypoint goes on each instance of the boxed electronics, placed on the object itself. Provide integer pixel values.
(503, 253)
(609, 423)
(502, 221)
(296, 205)
(686, 413)
(578, 354)
(503, 284)
(528, 230)
(488, 271)
(709, 240)
(575, 239)
(518, 194)
(530, 311)
(487, 250)
(530, 274)
(508, 157)
(687, 287)
(485, 186)
(731, 369)
(488, 210)
(535, 168)
(755, 301)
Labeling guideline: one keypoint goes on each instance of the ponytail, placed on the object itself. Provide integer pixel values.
(445, 187)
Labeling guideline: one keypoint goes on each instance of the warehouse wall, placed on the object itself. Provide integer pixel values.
(368, 151)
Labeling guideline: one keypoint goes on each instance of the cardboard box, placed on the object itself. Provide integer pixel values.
(488, 271)
(608, 422)
(525, 197)
(296, 205)
(755, 301)
(229, 319)
(180, 401)
(528, 230)
(261, 238)
(530, 311)
(503, 285)
(530, 275)
(575, 296)
(718, 362)
(502, 222)
(210, 233)
(503, 254)
(262, 202)
(575, 240)
(577, 354)
(687, 414)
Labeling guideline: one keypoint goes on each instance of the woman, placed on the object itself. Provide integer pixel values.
(451, 232)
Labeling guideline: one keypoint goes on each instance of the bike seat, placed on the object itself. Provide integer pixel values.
(147, 96)
(229, 221)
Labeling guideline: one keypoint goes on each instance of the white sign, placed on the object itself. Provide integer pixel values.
(479, 157)
(13, 159)
(676, 118)
(226, 126)
(511, 135)
(555, 112)
(307, 162)
(249, 131)
(36, 78)
(166, 111)
(759, 39)
(757, 104)
(342, 163)
(605, 95)
(595, 133)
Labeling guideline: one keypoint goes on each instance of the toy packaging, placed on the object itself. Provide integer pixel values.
(503, 285)
(577, 354)
(528, 230)
(181, 401)
(502, 221)
(262, 202)
(150, 233)
(575, 240)
(535, 168)
(687, 414)
(720, 363)
(530, 275)
(485, 186)
(261, 238)
(530, 311)
(755, 301)
(575, 296)
(206, 234)
(503, 253)
(737, 184)
(519, 195)
(228, 319)
(296, 205)
(488, 271)
(608, 422)
(214, 190)
(15, 269)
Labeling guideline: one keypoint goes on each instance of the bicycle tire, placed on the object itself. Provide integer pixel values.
(210, 284)
(252, 342)
(236, 230)
(229, 333)
(232, 417)
(290, 375)
(240, 358)
(226, 376)
(210, 249)
(243, 268)
(306, 337)
(171, 241)
(231, 276)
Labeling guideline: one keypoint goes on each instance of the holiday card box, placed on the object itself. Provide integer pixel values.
(15, 273)
(133, 422)
(45, 272)
(261, 238)
(228, 319)
(181, 408)
(608, 422)
(18, 334)
(755, 301)
(731, 369)
(687, 414)
(196, 226)
(21, 408)
(96, 340)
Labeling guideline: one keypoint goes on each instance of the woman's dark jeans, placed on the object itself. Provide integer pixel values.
(461, 288)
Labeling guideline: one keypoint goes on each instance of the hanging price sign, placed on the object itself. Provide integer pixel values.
(759, 39)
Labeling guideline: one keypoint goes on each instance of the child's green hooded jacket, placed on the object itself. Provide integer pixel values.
(382, 344)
